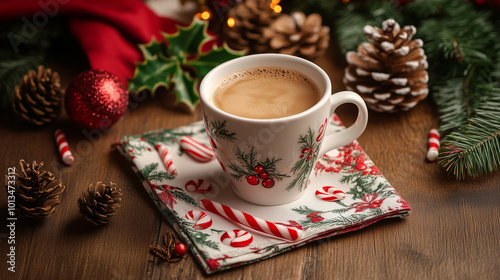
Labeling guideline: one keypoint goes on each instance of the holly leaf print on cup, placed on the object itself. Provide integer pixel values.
(255, 172)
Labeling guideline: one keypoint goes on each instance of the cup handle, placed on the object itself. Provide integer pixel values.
(346, 136)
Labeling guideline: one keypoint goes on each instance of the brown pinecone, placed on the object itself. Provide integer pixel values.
(250, 19)
(37, 192)
(99, 203)
(37, 98)
(390, 72)
(298, 35)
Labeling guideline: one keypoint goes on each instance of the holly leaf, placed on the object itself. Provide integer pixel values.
(180, 64)
(185, 88)
(188, 40)
(151, 74)
(208, 61)
(153, 49)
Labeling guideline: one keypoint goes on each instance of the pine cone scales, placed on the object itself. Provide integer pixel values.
(250, 19)
(37, 191)
(38, 97)
(390, 72)
(299, 35)
(98, 204)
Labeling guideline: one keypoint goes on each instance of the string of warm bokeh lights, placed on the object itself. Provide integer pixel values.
(205, 13)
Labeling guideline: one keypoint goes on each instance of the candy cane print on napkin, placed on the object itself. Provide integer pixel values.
(166, 159)
(251, 221)
(196, 150)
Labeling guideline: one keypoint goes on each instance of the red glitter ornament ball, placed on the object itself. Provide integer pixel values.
(96, 99)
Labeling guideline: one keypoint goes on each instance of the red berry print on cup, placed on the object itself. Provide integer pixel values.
(268, 183)
(263, 175)
(252, 180)
(255, 172)
(258, 169)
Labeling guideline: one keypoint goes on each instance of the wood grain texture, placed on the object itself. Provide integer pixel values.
(452, 233)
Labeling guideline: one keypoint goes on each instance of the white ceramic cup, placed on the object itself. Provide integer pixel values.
(267, 160)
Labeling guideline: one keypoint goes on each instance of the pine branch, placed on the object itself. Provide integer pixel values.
(451, 106)
(304, 210)
(148, 169)
(474, 149)
(11, 73)
(150, 173)
(352, 18)
(160, 175)
(181, 195)
(220, 132)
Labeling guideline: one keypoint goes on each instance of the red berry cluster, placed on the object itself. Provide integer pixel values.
(313, 217)
(307, 152)
(261, 174)
(358, 164)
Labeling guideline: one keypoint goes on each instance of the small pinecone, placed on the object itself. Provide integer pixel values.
(37, 192)
(99, 203)
(298, 35)
(250, 19)
(38, 96)
(389, 73)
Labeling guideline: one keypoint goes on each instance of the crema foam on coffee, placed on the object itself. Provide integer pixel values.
(265, 93)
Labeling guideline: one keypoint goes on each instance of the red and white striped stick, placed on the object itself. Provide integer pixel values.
(62, 145)
(251, 221)
(434, 142)
(166, 159)
(196, 150)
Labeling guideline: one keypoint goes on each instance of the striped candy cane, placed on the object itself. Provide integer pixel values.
(252, 221)
(432, 153)
(236, 238)
(62, 145)
(196, 150)
(167, 160)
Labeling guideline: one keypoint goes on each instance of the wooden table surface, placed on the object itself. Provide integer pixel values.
(452, 233)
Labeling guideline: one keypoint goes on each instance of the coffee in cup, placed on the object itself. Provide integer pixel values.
(266, 93)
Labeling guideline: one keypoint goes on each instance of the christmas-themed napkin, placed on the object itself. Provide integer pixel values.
(346, 192)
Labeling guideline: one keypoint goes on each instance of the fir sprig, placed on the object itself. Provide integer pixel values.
(219, 131)
(248, 161)
(149, 172)
(474, 149)
(304, 165)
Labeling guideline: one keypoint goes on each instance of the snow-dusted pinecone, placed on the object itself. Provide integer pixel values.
(390, 72)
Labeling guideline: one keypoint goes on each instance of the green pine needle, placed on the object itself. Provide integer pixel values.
(474, 149)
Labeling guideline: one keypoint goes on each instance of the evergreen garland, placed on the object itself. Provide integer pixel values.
(461, 42)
